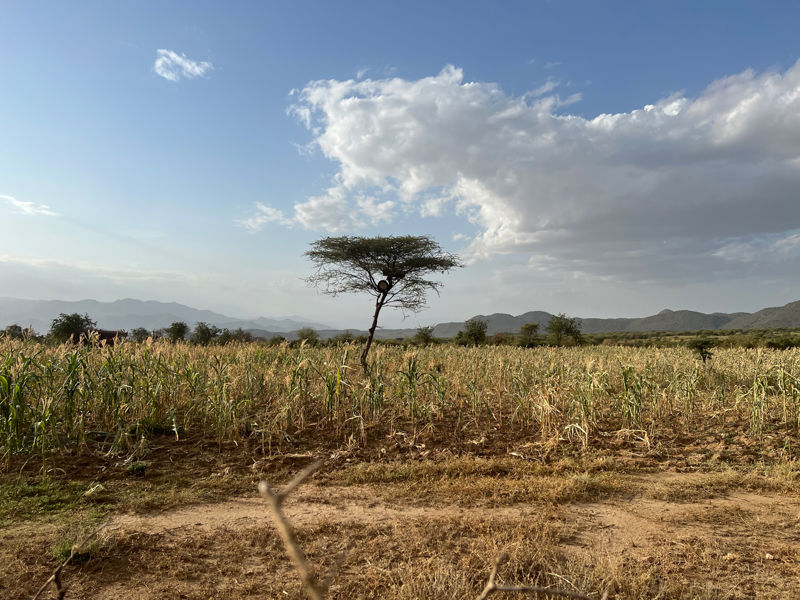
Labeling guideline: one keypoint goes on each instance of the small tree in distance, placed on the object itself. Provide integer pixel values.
(424, 336)
(177, 331)
(276, 340)
(72, 326)
(528, 334)
(139, 334)
(702, 348)
(309, 335)
(473, 334)
(562, 327)
(204, 334)
(14, 332)
(393, 269)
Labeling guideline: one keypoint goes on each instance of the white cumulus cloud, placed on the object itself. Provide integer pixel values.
(29, 208)
(650, 194)
(173, 66)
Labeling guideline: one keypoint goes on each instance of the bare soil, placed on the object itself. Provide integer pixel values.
(651, 543)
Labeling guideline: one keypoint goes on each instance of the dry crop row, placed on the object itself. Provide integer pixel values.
(58, 398)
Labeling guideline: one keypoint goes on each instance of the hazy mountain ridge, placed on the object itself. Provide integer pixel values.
(129, 313)
(776, 316)
(666, 320)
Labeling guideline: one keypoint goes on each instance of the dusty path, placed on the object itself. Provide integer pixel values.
(658, 536)
(744, 519)
(620, 526)
(308, 506)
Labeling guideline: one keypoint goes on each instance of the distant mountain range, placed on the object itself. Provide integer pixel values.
(666, 320)
(128, 314)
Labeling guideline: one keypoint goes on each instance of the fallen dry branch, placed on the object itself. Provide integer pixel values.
(318, 588)
(55, 578)
(493, 588)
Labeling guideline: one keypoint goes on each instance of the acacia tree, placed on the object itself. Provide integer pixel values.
(204, 334)
(702, 348)
(393, 269)
(310, 336)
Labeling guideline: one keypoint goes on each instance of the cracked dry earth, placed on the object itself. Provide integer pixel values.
(741, 544)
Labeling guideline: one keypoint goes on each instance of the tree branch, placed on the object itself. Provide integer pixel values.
(55, 578)
(315, 589)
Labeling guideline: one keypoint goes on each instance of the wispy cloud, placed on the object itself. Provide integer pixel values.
(173, 66)
(263, 215)
(99, 271)
(29, 208)
(546, 87)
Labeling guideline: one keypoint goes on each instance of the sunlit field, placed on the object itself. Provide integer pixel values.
(116, 398)
(504, 448)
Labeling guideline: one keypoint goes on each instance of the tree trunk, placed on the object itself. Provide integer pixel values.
(378, 305)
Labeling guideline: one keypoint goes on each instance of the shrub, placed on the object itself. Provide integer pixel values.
(474, 334)
(72, 326)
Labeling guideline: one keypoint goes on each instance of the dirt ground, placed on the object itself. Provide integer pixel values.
(657, 535)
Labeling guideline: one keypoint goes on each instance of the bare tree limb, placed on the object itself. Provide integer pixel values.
(315, 589)
(298, 479)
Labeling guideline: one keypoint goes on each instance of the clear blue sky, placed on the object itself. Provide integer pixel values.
(190, 151)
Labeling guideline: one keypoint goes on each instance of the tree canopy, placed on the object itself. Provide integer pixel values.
(308, 334)
(424, 336)
(562, 327)
(204, 334)
(393, 269)
(177, 331)
(473, 334)
(74, 325)
(528, 334)
(360, 264)
(702, 348)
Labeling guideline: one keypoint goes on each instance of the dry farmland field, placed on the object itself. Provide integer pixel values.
(629, 472)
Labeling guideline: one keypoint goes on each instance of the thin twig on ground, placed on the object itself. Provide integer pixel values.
(318, 588)
(493, 588)
(55, 578)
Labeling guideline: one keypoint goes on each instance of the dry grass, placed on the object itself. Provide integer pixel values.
(640, 467)
(441, 557)
(532, 401)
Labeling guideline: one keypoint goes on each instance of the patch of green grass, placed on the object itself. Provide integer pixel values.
(79, 532)
(163, 493)
(466, 467)
(20, 500)
(138, 468)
